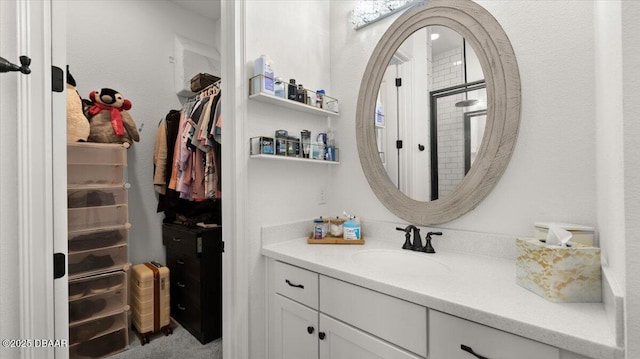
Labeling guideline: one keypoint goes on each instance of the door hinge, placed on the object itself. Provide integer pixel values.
(222, 246)
(59, 265)
(398, 82)
(399, 144)
(57, 79)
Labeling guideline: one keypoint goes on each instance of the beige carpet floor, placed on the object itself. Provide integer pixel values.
(179, 345)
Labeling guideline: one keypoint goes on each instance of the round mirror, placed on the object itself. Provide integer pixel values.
(438, 111)
(430, 113)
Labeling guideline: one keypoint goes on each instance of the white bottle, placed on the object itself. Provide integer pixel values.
(265, 83)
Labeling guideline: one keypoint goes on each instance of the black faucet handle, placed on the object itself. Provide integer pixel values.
(428, 248)
(407, 236)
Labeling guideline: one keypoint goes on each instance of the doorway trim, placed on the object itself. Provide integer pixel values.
(235, 269)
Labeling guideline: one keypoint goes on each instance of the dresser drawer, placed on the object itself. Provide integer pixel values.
(395, 320)
(181, 265)
(187, 286)
(447, 334)
(181, 240)
(296, 283)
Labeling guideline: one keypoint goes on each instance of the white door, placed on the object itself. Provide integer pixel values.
(342, 341)
(296, 330)
(33, 191)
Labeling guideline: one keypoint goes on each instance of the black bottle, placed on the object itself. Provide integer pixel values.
(302, 94)
(293, 90)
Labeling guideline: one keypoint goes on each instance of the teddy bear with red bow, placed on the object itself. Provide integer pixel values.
(109, 118)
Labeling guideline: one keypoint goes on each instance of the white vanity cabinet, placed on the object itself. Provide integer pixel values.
(299, 328)
(315, 316)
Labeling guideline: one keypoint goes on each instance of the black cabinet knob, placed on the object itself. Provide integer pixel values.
(310, 329)
(321, 335)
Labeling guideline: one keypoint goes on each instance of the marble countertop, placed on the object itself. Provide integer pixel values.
(479, 288)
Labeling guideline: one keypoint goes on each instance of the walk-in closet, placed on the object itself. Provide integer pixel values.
(144, 131)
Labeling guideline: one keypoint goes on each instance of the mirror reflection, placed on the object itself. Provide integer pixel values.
(430, 113)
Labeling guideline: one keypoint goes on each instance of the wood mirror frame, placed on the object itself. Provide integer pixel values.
(493, 48)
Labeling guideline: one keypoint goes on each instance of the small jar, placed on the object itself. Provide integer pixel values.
(336, 225)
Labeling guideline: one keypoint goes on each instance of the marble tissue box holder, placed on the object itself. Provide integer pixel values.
(569, 274)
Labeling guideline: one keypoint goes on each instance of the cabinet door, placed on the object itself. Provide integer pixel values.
(341, 341)
(295, 330)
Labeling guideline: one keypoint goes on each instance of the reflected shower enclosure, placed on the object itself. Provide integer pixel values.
(457, 122)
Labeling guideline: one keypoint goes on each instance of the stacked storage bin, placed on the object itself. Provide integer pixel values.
(98, 223)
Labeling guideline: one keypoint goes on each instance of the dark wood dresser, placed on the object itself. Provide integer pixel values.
(194, 258)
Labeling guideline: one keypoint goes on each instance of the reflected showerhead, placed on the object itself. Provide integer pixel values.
(466, 103)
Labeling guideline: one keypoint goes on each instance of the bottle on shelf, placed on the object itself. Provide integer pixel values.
(265, 83)
(293, 90)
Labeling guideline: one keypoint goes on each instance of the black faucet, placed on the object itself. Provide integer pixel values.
(417, 239)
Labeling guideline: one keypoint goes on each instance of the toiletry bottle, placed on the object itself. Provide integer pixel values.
(302, 94)
(318, 228)
(281, 142)
(279, 88)
(331, 146)
(320, 98)
(263, 66)
(293, 90)
(305, 138)
(351, 230)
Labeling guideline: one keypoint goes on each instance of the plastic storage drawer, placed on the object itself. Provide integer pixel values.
(85, 287)
(97, 217)
(95, 174)
(96, 153)
(97, 327)
(96, 261)
(99, 305)
(97, 238)
(96, 196)
(101, 346)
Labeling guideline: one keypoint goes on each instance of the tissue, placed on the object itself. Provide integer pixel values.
(558, 236)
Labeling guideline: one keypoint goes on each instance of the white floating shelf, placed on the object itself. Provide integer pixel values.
(294, 105)
(296, 159)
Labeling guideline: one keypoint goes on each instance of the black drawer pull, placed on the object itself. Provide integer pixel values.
(321, 335)
(181, 307)
(177, 239)
(180, 261)
(470, 351)
(181, 285)
(310, 329)
(294, 285)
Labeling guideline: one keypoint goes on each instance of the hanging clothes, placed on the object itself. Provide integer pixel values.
(187, 158)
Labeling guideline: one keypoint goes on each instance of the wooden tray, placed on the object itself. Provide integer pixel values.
(335, 240)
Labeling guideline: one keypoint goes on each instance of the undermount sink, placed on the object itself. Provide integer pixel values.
(400, 261)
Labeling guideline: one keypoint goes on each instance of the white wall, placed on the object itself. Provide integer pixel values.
(557, 118)
(631, 137)
(127, 45)
(297, 40)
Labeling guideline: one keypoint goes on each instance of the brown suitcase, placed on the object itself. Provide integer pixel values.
(150, 300)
